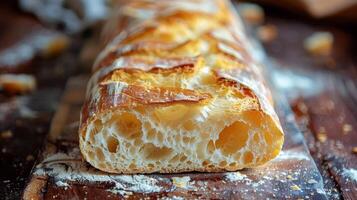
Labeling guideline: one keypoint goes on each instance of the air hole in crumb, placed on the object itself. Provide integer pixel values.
(152, 152)
(137, 142)
(255, 118)
(151, 133)
(160, 138)
(92, 134)
(186, 139)
(97, 126)
(268, 138)
(128, 125)
(248, 157)
(264, 159)
(132, 166)
(91, 155)
(112, 144)
(233, 138)
(189, 126)
(147, 125)
(177, 137)
(210, 146)
(100, 154)
(151, 165)
(175, 158)
(205, 163)
(132, 150)
(233, 164)
(223, 164)
(183, 158)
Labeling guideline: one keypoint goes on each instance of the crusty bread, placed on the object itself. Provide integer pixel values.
(176, 90)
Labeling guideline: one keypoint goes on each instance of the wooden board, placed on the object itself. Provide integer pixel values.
(62, 173)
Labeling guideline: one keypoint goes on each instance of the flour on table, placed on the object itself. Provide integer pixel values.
(291, 155)
(235, 176)
(69, 167)
(181, 182)
(350, 173)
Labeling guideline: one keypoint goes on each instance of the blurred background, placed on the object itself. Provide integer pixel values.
(313, 43)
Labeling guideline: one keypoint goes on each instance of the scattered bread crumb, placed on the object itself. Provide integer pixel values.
(181, 182)
(321, 135)
(6, 134)
(17, 83)
(289, 177)
(354, 149)
(251, 13)
(56, 46)
(295, 187)
(346, 128)
(319, 44)
(267, 33)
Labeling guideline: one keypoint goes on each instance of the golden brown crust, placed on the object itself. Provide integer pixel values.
(163, 56)
(157, 65)
(132, 95)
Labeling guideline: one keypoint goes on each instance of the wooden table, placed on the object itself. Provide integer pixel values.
(324, 113)
(323, 94)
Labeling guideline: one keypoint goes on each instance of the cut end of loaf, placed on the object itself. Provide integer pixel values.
(178, 138)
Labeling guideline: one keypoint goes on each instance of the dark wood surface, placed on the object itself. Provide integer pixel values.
(25, 119)
(323, 93)
(335, 77)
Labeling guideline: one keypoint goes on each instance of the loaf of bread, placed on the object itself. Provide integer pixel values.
(176, 89)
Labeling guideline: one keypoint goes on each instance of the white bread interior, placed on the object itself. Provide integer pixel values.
(174, 139)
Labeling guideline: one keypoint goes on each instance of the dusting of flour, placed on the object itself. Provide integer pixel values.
(350, 173)
(292, 155)
(235, 176)
(69, 167)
